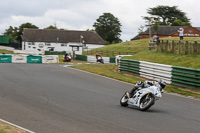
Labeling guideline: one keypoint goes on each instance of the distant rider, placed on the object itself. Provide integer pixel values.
(160, 84)
(98, 57)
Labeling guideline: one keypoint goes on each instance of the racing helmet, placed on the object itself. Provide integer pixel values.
(162, 83)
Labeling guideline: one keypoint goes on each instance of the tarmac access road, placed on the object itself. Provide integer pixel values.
(48, 98)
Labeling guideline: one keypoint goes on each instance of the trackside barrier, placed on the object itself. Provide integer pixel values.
(156, 71)
(34, 59)
(186, 77)
(19, 58)
(131, 66)
(93, 58)
(50, 59)
(81, 57)
(180, 76)
(5, 58)
(8, 58)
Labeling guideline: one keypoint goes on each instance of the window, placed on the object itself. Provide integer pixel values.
(47, 44)
(31, 43)
(34, 47)
(63, 45)
(41, 45)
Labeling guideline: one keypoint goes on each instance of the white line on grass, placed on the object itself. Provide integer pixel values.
(17, 126)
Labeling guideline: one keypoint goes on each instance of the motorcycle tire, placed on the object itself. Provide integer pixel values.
(146, 102)
(124, 101)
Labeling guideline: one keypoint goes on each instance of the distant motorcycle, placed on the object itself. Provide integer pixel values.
(67, 58)
(144, 98)
(100, 59)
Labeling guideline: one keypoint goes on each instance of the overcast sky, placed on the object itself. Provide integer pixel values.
(81, 14)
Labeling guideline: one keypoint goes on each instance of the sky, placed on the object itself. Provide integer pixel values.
(82, 14)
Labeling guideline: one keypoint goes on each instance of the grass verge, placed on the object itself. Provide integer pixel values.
(111, 71)
(6, 128)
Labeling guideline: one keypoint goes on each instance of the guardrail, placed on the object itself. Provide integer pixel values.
(131, 66)
(93, 58)
(179, 76)
(186, 77)
(9, 58)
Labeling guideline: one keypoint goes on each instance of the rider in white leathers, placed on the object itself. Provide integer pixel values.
(160, 84)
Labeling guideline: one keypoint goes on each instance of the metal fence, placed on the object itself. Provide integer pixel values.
(107, 53)
(177, 47)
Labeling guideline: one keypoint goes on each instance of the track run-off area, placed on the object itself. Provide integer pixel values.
(49, 98)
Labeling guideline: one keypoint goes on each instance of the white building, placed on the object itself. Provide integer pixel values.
(35, 40)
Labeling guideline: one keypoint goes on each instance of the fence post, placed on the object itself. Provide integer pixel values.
(195, 47)
(186, 47)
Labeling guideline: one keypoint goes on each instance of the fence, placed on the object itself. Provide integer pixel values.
(107, 52)
(178, 47)
(8, 58)
(55, 52)
(186, 77)
(180, 76)
(93, 58)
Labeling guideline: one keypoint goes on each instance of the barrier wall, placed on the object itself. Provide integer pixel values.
(180, 76)
(93, 58)
(5, 58)
(50, 59)
(186, 77)
(19, 58)
(156, 71)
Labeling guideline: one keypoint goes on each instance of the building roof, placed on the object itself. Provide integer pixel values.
(164, 30)
(198, 28)
(61, 36)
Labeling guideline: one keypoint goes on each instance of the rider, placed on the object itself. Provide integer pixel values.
(161, 84)
(67, 57)
(98, 56)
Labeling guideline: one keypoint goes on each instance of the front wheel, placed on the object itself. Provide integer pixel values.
(124, 101)
(146, 102)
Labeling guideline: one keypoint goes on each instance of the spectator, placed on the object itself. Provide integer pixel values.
(155, 38)
(181, 33)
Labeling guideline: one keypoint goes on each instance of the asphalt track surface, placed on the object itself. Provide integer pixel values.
(53, 99)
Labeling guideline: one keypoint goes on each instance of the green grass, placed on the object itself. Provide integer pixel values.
(111, 71)
(190, 61)
(143, 54)
(6, 51)
(2, 131)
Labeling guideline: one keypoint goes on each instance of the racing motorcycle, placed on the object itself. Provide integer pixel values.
(100, 59)
(143, 98)
(67, 58)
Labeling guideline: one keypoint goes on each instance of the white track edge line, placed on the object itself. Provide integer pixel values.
(175, 94)
(16, 126)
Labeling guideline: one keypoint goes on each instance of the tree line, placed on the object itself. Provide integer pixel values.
(109, 27)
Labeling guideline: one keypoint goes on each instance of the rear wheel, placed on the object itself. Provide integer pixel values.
(146, 102)
(124, 101)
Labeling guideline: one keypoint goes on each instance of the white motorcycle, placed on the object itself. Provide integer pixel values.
(144, 98)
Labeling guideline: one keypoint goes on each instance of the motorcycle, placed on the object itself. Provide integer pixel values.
(67, 58)
(100, 59)
(143, 98)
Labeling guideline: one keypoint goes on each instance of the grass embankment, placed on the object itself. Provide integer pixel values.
(143, 54)
(5, 51)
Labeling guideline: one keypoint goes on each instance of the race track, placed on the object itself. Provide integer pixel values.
(53, 99)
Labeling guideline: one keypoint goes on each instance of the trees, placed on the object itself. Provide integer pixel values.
(166, 15)
(21, 27)
(15, 33)
(51, 27)
(108, 27)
